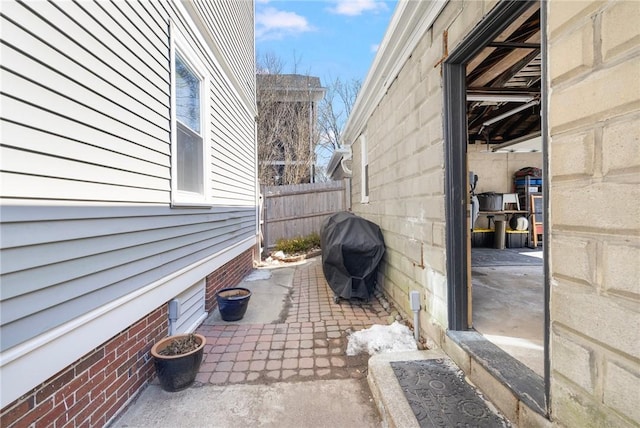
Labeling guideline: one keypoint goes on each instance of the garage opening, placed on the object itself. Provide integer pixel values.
(496, 205)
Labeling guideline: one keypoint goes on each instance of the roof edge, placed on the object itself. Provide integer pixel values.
(409, 23)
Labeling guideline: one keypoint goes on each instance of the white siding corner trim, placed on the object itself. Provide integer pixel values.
(31, 363)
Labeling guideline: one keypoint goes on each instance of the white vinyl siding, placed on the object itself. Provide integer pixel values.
(221, 18)
(191, 306)
(83, 98)
(86, 220)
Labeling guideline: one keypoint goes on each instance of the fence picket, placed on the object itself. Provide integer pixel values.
(299, 210)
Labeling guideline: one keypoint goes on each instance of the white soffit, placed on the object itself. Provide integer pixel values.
(410, 21)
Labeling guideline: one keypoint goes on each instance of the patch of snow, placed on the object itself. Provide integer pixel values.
(278, 255)
(379, 339)
(258, 275)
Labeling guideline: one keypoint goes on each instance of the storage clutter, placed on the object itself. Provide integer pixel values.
(490, 201)
(482, 238)
(526, 182)
(516, 238)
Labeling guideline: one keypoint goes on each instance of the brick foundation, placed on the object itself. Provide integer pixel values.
(94, 389)
(228, 275)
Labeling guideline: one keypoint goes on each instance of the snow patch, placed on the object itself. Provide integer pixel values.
(258, 275)
(380, 339)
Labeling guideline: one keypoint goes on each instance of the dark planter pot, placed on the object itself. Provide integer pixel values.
(233, 302)
(177, 372)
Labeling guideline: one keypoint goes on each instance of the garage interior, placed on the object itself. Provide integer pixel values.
(506, 268)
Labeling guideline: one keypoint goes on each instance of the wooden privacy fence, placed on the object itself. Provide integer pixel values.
(299, 209)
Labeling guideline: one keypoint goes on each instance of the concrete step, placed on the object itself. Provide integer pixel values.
(448, 398)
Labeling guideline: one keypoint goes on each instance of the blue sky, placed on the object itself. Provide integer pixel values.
(328, 39)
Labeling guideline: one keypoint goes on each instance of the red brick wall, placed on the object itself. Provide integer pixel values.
(91, 391)
(228, 275)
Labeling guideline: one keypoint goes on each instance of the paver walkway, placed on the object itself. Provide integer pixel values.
(309, 344)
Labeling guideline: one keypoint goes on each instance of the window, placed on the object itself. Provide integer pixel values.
(189, 146)
(365, 170)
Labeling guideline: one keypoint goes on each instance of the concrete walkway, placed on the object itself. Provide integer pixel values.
(283, 365)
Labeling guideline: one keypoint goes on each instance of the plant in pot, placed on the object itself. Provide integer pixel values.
(177, 360)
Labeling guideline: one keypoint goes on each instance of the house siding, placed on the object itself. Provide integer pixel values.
(85, 175)
(92, 390)
(594, 165)
(98, 386)
(236, 47)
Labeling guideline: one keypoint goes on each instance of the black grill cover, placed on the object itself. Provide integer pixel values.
(352, 248)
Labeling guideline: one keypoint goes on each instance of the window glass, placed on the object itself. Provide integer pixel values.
(187, 96)
(190, 171)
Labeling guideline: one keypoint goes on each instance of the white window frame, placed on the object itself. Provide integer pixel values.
(364, 182)
(181, 198)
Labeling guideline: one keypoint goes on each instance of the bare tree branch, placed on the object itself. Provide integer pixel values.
(289, 133)
(287, 123)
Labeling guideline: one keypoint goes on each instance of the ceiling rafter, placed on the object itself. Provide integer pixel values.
(508, 32)
(506, 63)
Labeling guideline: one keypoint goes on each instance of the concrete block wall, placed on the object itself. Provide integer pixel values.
(406, 176)
(594, 117)
(495, 170)
(405, 142)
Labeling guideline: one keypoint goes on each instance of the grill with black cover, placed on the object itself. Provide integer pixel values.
(352, 248)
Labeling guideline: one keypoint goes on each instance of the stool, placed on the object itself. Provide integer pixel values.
(510, 198)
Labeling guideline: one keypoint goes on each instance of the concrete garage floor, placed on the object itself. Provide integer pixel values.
(508, 302)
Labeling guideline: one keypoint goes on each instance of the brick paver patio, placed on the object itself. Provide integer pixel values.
(311, 343)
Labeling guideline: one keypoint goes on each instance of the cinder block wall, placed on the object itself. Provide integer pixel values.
(495, 170)
(594, 115)
(406, 170)
(97, 387)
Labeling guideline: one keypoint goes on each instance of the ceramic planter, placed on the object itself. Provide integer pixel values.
(177, 372)
(233, 303)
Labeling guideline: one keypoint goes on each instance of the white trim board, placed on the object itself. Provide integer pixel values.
(410, 21)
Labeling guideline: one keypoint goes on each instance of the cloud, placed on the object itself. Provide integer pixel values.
(272, 23)
(357, 7)
(374, 47)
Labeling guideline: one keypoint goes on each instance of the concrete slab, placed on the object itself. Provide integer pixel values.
(508, 309)
(385, 388)
(318, 403)
(270, 291)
